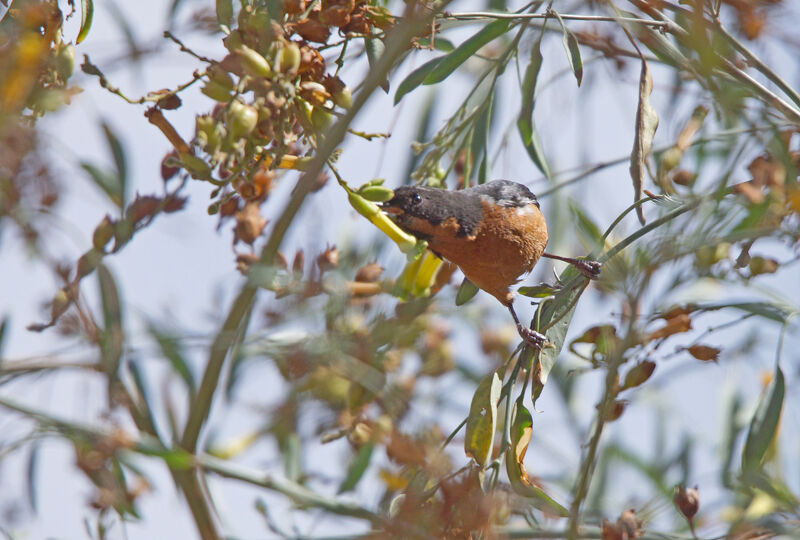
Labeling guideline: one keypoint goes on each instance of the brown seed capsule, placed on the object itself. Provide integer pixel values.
(328, 259)
(704, 353)
(369, 273)
(249, 224)
(639, 374)
(687, 500)
(615, 410)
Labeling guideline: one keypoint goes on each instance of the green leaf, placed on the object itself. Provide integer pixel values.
(480, 140)
(556, 316)
(3, 330)
(357, 468)
(112, 337)
(32, 470)
(87, 13)
(521, 431)
(415, 78)
(773, 312)
(225, 12)
(109, 183)
(171, 349)
(573, 51)
(374, 48)
(542, 290)
(440, 44)
(466, 292)
(482, 419)
(587, 227)
(118, 153)
(764, 425)
(526, 124)
(450, 62)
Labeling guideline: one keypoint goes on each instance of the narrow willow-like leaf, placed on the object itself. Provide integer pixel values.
(764, 425)
(573, 50)
(171, 350)
(87, 14)
(415, 78)
(538, 291)
(480, 140)
(374, 48)
(646, 125)
(3, 330)
(554, 322)
(450, 62)
(466, 292)
(526, 124)
(482, 419)
(118, 154)
(225, 12)
(112, 337)
(357, 468)
(587, 226)
(109, 183)
(521, 432)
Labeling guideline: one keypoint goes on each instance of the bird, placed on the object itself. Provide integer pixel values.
(494, 232)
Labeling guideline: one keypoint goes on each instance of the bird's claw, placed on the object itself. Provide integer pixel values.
(532, 337)
(590, 269)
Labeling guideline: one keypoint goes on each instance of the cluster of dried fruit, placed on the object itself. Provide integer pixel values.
(275, 99)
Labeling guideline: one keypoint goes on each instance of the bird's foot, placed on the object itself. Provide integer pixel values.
(590, 269)
(532, 337)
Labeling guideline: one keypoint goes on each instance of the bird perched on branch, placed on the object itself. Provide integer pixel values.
(493, 232)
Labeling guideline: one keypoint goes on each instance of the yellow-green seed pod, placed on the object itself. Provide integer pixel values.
(253, 63)
(220, 76)
(321, 119)
(65, 61)
(103, 234)
(376, 193)
(343, 98)
(195, 166)
(216, 91)
(289, 58)
(241, 119)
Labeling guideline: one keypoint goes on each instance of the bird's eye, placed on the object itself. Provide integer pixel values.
(416, 198)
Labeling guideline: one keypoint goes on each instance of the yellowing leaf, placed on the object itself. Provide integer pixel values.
(521, 483)
(646, 125)
(482, 420)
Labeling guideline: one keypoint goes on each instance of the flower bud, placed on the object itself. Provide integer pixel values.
(343, 98)
(376, 193)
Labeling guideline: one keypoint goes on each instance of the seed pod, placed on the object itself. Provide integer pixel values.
(687, 501)
(241, 119)
(343, 98)
(321, 119)
(253, 63)
(220, 76)
(61, 301)
(103, 233)
(195, 166)
(376, 193)
(216, 91)
(639, 374)
(65, 61)
(289, 58)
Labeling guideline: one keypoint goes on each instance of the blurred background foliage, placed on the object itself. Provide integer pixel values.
(388, 402)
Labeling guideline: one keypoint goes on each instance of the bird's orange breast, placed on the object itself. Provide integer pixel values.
(505, 245)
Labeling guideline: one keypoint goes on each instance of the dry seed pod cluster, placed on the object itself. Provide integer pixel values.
(274, 97)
